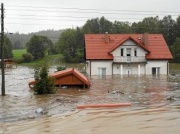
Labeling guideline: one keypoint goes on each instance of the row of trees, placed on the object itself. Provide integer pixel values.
(71, 41)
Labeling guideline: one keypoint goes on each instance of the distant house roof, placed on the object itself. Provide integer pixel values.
(100, 46)
(68, 77)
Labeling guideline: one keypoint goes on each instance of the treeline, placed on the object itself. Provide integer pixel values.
(19, 41)
(70, 42)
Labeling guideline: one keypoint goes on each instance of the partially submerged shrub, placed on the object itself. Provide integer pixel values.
(44, 84)
(60, 68)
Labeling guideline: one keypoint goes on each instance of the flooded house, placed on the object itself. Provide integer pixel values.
(8, 63)
(126, 54)
(68, 78)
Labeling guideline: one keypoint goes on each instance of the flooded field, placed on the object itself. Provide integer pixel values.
(155, 106)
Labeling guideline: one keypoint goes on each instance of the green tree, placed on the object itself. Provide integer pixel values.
(7, 48)
(105, 25)
(175, 49)
(97, 25)
(91, 26)
(71, 45)
(177, 27)
(148, 25)
(121, 27)
(167, 27)
(44, 84)
(39, 46)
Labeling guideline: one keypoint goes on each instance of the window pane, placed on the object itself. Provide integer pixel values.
(122, 52)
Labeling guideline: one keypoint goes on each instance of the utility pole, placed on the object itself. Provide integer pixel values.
(2, 50)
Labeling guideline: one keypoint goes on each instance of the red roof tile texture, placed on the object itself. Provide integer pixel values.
(73, 71)
(62, 74)
(99, 46)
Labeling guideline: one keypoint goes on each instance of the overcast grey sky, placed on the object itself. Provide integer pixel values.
(25, 16)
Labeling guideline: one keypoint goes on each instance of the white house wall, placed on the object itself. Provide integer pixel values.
(125, 67)
(163, 65)
(96, 65)
(144, 68)
(88, 67)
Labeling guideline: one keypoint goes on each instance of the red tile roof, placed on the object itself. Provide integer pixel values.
(71, 71)
(64, 73)
(99, 46)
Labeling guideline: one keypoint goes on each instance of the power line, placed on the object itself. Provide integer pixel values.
(67, 19)
(92, 9)
(51, 11)
(73, 26)
(45, 19)
(37, 24)
(90, 12)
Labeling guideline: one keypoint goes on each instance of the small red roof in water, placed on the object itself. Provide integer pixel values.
(67, 77)
(99, 46)
(71, 71)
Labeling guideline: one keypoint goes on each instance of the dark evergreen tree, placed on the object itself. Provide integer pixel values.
(7, 48)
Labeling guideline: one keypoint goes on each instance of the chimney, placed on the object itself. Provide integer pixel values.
(107, 37)
(145, 39)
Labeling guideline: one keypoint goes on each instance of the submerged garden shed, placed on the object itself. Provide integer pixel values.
(68, 77)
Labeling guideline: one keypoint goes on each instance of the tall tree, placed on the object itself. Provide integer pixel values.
(148, 25)
(91, 26)
(39, 46)
(105, 25)
(177, 27)
(7, 48)
(71, 45)
(168, 29)
(97, 25)
(175, 49)
(121, 27)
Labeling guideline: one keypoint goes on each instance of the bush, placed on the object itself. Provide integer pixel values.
(27, 57)
(60, 68)
(44, 84)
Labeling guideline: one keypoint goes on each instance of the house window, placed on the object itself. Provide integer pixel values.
(102, 71)
(122, 51)
(128, 50)
(135, 52)
(155, 70)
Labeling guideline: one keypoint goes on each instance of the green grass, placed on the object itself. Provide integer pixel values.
(51, 59)
(174, 67)
(17, 54)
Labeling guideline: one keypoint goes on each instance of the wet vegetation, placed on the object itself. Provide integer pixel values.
(70, 42)
(44, 84)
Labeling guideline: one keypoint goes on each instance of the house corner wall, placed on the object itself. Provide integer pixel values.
(162, 64)
(93, 67)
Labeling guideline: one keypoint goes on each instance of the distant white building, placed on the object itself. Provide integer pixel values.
(126, 54)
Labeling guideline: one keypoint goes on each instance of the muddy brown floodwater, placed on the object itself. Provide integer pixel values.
(155, 106)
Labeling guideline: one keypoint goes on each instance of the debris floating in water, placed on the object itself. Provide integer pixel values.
(39, 110)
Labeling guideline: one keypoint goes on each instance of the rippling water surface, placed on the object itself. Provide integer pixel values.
(155, 106)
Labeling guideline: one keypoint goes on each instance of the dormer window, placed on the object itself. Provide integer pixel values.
(135, 52)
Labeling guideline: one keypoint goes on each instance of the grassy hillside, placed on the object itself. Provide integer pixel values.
(17, 54)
